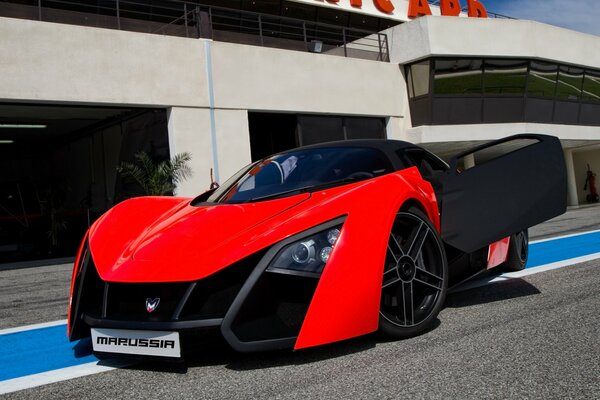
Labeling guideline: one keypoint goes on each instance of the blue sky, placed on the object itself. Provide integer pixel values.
(578, 15)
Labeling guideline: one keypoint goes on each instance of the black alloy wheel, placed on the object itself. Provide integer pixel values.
(415, 276)
(518, 252)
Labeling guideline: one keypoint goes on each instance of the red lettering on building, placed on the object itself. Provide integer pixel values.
(476, 9)
(450, 7)
(385, 6)
(416, 8)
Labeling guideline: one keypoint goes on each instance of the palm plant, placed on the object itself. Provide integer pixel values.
(157, 179)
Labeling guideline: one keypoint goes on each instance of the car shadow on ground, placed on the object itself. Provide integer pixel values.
(510, 288)
(221, 354)
(218, 353)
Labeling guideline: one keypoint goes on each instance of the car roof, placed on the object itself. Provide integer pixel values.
(389, 147)
(382, 144)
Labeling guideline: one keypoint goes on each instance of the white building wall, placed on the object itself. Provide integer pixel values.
(56, 63)
(261, 78)
(470, 37)
(48, 62)
(446, 36)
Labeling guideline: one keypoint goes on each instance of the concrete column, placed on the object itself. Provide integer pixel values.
(572, 199)
(394, 128)
(189, 130)
(233, 141)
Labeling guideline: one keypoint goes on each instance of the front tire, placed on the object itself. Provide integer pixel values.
(415, 277)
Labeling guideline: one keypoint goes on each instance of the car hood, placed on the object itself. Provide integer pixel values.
(157, 239)
(165, 239)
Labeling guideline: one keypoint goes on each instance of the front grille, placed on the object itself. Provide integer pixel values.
(127, 301)
(211, 297)
(208, 298)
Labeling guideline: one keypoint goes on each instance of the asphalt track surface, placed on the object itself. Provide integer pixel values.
(532, 337)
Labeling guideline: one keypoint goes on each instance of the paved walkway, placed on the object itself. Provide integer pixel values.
(575, 220)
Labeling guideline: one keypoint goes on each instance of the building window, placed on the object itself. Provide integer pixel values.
(275, 132)
(271, 133)
(364, 128)
(313, 129)
(418, 79)
(504, 77)
(570, 80)
(500, 90)
(542, 79)
(457, 76)
(591, 87)
(318, 129)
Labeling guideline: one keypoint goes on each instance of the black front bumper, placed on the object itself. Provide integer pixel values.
(251, 308)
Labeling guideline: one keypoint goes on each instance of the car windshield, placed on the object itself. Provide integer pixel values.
(300, 171)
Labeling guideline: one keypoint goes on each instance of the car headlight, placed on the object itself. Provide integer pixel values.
(306, 256)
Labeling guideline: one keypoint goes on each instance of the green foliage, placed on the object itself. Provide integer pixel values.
(156, 179)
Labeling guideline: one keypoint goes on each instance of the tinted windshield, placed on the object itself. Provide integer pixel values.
(301, 171)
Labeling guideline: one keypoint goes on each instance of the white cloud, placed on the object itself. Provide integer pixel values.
(578, 15)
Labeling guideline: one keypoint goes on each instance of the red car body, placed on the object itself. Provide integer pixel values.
(142, 239)
(171, 240)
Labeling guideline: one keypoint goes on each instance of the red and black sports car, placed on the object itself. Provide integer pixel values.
(311, 246)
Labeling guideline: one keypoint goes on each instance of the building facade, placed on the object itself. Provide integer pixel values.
(84, 89)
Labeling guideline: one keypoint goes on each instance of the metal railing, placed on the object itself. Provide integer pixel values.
(185, 19)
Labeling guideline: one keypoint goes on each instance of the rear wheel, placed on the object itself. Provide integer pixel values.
(518, 252)
(415, 276)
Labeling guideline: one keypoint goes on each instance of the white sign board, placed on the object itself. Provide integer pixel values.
(148, 343)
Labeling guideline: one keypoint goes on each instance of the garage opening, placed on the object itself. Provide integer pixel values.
(59, 172)
(271, 132)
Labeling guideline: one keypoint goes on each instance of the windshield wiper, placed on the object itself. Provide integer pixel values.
(303, 189)
(278, 194)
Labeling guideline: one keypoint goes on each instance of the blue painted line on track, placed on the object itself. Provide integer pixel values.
(40, 350)
(563, 249)
(47, 349)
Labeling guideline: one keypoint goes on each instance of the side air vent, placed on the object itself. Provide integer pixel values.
(88, 295)
(212, 297)
(275, 308)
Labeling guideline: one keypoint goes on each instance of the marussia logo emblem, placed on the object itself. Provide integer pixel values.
(152, 304)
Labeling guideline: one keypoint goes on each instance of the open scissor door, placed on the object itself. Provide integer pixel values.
(520, 182)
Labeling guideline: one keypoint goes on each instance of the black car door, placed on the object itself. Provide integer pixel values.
(520, 182)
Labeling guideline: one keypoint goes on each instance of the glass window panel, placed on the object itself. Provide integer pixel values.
(364, 128)
(569, 84)
(419, 79)
(317, 129)
(542, 79)
(504, 77)
(457, 76)
(591, 87)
